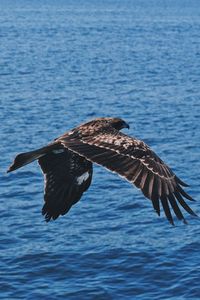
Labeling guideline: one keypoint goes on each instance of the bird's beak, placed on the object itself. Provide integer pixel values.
(126, 125)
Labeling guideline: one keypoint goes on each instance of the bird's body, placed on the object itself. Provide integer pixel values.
(67, 167)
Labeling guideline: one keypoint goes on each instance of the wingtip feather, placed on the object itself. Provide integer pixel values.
(181, 182)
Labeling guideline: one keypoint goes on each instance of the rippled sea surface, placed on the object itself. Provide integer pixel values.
(63, 63)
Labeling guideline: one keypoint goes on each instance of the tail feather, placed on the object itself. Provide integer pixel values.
(23, 159)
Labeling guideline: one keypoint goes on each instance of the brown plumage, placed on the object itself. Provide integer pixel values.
(67, 165)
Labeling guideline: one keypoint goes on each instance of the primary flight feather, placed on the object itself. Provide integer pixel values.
(67, 167)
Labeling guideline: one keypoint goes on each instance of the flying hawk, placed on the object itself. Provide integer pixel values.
(67, 167)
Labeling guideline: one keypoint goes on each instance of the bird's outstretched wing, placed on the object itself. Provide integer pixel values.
(135, 161)
(67, 175)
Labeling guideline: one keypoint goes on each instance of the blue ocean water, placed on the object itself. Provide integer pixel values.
(66, 62)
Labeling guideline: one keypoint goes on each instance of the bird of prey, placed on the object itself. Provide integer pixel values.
(67, 164)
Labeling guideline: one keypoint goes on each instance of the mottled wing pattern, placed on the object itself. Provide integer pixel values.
(67, 175)
(135, 161)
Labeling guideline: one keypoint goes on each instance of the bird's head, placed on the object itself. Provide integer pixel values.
(102, 123)
(117, 123)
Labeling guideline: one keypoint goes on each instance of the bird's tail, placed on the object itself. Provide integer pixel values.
(23, 159)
